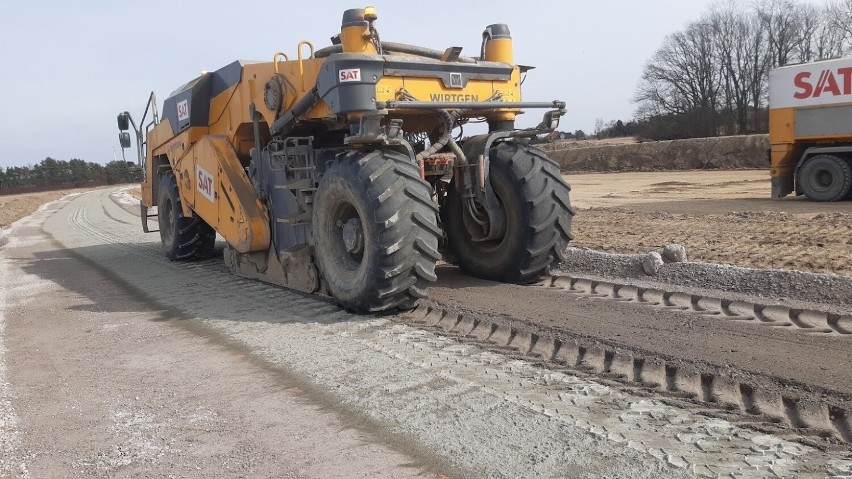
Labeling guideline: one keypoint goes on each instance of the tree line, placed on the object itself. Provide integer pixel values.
(63, 174)
(711, 78)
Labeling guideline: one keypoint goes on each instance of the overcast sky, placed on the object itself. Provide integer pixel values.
(70, 67)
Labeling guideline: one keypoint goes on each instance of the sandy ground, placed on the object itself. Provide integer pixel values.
(96, 380)
(214, 372)
(260, 382)
(122, 364)
(15, 207)
(591, 143)
(135, 191)
(720, 216)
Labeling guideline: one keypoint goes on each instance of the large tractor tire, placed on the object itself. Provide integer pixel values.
(375, 231)
(826, 178)
(535, 200)
(183, 238)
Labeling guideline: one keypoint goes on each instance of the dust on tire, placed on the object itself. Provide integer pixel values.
(183, 238)
(538, 218)
(392, 204)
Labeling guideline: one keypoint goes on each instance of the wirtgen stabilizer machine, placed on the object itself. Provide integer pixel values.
(338, 172)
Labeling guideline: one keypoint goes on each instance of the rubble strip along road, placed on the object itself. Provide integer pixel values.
(188, 370)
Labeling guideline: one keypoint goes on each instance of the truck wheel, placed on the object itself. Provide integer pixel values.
(538, 211)
(826, 178)
(183, 238)
(375, 231)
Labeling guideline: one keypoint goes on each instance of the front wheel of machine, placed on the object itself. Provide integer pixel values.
(182, 237)
(538, 213)
(375, 231)
(206, 241)
(826, 178)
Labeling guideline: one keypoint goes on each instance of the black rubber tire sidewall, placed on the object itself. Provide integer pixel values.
(491, 260)
(168, 202)
(188, 237)
(838, 168)
(207, 241)
(536, 198)
(341, 183)
(399, 224)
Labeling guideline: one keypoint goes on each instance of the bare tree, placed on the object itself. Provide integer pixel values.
(810, 24)
(681, 79)
(599, 126)
(781, 20)
(822, 35)
(742, 59)
(712, 77)
(840, 12)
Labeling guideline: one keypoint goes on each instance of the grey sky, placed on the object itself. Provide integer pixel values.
(70, 67)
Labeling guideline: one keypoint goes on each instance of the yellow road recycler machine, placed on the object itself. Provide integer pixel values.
(342, 172)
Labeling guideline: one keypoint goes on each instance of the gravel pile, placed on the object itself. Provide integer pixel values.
(736, 282)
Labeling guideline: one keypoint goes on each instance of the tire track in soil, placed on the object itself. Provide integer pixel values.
(798, 320)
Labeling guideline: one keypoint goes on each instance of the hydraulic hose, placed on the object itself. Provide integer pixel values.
(299, 108)
(449, 121)
(396, 48)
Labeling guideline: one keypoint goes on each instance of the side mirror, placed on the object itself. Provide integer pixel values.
(124, 139)
(123, 121)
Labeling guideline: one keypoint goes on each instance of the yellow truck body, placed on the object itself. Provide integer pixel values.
(810, 129)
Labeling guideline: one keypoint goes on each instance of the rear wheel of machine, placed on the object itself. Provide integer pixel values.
(182, 237)
(535, 200)
(826, 178)
(375, 231)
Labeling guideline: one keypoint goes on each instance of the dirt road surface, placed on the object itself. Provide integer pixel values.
(117, 363)
(97, 384)
(15, 207)
(720, 216)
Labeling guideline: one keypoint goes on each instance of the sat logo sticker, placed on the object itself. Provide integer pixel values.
(183, 110)
(205, 184)
(352, 74)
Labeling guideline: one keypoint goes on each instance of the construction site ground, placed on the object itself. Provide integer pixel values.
(720, 216)
(15, 207)
(116, 362)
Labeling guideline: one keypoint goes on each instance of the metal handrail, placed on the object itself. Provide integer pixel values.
(275, 60)
(301, 67)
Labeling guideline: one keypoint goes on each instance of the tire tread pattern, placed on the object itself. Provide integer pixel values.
(406, 223)
(193, 237)
(549, 209)
(546, 218)
(844, 168)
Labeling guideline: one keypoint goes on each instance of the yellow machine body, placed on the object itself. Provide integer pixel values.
(339, 170)
(223, 146)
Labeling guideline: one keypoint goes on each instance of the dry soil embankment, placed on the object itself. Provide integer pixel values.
(723, 153)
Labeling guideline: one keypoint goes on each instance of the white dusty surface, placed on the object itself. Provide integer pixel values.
(8, 418)
(98, 382)
(417, 402)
